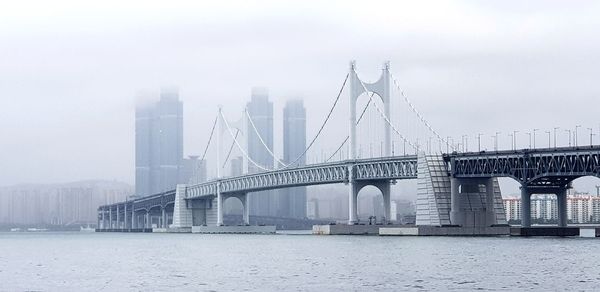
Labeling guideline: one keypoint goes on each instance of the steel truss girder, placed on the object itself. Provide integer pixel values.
(390, 168)
(544, 167)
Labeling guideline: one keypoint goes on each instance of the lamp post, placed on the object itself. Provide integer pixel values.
(548, 132)
(555, 128)
(591, 136)
(534, 130)
(569, 131)
(529, 134)
(496, 141)
(479, 142)
(575, 138)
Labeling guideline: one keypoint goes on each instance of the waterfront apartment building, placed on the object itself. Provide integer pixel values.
(581, 208)
(68, 204)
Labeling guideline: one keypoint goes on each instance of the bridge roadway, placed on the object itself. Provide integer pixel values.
(539, 171)
(546, 171)
(364, 171)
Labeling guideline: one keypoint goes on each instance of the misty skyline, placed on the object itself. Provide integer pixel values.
(70, 72)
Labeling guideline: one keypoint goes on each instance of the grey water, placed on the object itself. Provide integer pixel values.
(292, 262)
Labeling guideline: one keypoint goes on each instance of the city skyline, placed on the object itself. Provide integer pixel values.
(532, 65)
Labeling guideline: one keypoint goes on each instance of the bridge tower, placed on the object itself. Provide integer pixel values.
(382, 89)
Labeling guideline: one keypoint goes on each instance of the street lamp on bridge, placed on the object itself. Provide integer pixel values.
(514, 139)
(575, 138)
(496, 141)
(548, 132)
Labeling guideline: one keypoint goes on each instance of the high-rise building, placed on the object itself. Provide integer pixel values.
(293, 200)
(159, 144)
(237, 166)
(58, 204)
(193, 170)
(260, 110)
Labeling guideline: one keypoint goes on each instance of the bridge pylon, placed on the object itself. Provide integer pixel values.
(382, 89)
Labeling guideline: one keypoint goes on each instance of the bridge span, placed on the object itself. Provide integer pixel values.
(454, 189)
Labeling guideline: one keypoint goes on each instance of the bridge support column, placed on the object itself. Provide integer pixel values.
(118, 218)
(103, 218)
(125, 216)
(525, 207)
(245, 206)
(133, 218)
(148, 219)
(387, 200)
(219, 206)
(110, 222)
(456, 216)
(561, 200)
(352, 208)
(489, 202)
(164, 217)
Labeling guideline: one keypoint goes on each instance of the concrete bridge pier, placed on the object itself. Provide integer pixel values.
(110, 222)
(118, 225)
(472, 202)
(245, 208)
(561, 203)
(148, 222)
(103, 218)
(133, 218)
(352, 208)
(525, 207)
(561, 200)
(387, 200)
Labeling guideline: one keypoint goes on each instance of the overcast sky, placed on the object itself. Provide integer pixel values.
(70, 71)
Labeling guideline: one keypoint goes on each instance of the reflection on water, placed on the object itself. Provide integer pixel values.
(92, 261)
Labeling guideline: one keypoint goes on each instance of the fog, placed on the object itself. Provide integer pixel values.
(70, 72)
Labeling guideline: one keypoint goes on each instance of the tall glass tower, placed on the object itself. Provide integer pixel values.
(293, 200)
(159, 144)
(260, 110)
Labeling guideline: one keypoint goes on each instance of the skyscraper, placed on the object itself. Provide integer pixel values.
(193, 171)
(260, 110)
(159, 144)
(293, 200)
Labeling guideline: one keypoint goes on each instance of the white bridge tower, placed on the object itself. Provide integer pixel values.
(382, 89)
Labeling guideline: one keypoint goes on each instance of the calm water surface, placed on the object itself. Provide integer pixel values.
(193, 262)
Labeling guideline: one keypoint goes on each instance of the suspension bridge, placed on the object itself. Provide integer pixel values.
(387, 140)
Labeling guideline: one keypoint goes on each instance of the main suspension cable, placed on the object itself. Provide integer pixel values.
(230, 148)
(210, 137)
(240, 147)
(322, 125)
(261, 139)
(348, 137)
